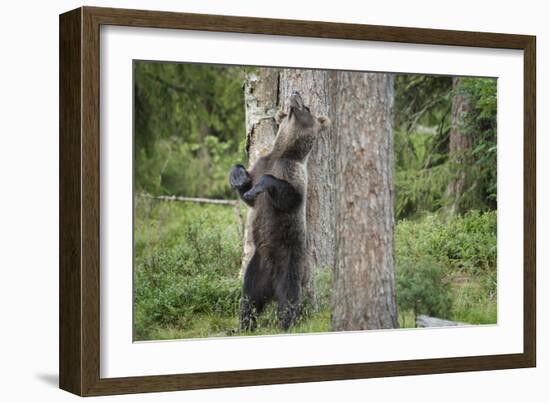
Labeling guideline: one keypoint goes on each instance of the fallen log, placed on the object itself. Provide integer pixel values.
(203, 200)
(429, 321)
(196, 200)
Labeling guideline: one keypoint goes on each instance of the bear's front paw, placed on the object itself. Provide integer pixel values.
(238, 177)
(249, 196)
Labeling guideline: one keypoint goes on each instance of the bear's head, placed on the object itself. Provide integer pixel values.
(298, 130)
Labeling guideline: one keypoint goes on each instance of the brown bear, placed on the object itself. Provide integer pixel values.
(276, 188)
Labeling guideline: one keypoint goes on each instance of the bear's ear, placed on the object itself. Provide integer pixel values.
(324, 121)
(279, 116)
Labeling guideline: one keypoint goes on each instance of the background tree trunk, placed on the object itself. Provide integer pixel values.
(315, 88)
(460, 145)
(364, 283)
(261, 104)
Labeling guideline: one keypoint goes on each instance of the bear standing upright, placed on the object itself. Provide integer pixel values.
(276, 189)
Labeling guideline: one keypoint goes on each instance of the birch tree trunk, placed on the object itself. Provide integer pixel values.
(261, 104)
(460, 145)
(315, 88)
(364, 283)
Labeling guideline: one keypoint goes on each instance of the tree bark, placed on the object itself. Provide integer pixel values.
(460, 145)
(315, 88)
(261, 104)
(364, 283)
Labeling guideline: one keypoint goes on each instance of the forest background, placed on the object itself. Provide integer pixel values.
(190, 128)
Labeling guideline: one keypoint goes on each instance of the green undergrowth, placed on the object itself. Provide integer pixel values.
(187, 260)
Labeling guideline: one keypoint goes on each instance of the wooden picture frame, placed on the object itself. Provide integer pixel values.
(79, 317)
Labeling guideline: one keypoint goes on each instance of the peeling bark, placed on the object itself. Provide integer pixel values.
(261, 105)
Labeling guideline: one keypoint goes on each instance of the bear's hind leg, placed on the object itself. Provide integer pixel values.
(289, 296)
(249, 310)
(248, 314)
(254, 296)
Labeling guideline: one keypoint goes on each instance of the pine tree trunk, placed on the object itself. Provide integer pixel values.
(460, 145)
(261, 104)
(314, 86)
(364, 283)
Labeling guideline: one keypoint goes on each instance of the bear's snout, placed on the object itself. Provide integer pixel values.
(296, 100)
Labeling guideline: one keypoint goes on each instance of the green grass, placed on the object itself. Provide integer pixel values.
(221, 326)
(474, 298)
(188, 256)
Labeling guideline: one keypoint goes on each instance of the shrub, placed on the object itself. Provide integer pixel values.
(422, 288)
(446, 267)
(459, 242)
(187, 261)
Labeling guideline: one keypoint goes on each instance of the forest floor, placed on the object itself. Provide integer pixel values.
(187, 260)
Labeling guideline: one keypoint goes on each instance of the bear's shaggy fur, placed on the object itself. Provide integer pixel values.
(276, 188)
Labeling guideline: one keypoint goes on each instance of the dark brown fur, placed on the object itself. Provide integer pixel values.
(276, 190)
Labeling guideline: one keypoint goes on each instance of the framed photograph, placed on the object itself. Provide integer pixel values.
(249, 201)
